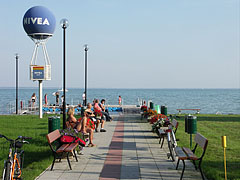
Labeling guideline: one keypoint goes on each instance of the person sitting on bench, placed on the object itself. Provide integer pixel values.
(90, 113)
(104, 110)
(98, 108)
(72, 120)
(86, 129)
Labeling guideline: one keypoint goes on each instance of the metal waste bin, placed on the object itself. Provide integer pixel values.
(151, 105)
(157, 108)
(164, 110)
(53, 123)
(191, 124)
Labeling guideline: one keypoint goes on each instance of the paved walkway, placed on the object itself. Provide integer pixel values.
(128, 150)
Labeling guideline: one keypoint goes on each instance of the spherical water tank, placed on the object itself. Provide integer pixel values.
(39, 22)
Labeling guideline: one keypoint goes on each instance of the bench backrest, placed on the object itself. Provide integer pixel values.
(174, 123)
(53, 136)
(201, 141)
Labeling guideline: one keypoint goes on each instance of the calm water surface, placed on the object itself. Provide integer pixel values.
(210, 101)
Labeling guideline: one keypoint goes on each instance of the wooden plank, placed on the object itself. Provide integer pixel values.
(180, 153)
(189, 153)
(53, 136)
(175, 123)
(62, 148)
(201, 140)
(71, 147)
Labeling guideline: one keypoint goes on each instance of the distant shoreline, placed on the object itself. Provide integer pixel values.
(125, 88)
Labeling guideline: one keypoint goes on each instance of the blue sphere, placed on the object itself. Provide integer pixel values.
(39, 22)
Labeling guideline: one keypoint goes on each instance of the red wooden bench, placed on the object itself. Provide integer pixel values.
(61, 149)
(184, 153)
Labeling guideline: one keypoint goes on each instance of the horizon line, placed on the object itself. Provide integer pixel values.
(121, 88)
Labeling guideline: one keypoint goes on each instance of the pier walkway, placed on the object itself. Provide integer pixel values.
(128, 150)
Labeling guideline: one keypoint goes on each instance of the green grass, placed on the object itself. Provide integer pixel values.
(37, 154)
(213, 127)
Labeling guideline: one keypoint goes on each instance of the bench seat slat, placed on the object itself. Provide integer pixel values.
(62, 148)
(71, 147)
(189, 153)
(181, 155)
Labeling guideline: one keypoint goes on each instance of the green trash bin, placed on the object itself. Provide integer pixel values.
(191, 124)
(151, 105)
(164, 110)
(157, 108)
(53, 123)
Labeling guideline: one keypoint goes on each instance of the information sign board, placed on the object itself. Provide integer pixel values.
(38, 72)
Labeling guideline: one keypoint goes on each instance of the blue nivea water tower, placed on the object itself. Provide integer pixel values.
(39, 24)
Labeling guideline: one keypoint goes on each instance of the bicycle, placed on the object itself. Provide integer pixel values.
(169, 133)
(172, 143)
(14, 163)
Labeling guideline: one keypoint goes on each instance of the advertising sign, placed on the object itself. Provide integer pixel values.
(38, 72)
(39, 22)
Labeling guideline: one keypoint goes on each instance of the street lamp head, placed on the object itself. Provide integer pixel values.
(16, 55)
(86, 47)
(64, 23)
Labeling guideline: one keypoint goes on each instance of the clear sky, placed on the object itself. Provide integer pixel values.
(132, 43)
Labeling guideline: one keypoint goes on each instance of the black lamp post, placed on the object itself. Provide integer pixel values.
(16, 56)
(86, 50)
(64, 24)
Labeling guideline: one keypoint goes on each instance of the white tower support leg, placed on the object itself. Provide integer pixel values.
(40, 99)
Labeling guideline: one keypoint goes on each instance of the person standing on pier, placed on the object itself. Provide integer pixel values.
(45, 99)
(33, 99)
(57, 98)
(120, 100)
(84, 98)
(62, 98)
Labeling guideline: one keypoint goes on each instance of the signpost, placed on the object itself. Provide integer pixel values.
(224, 145)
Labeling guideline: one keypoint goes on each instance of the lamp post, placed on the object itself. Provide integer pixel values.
(86, 50)
(16, 56)
(64, 25)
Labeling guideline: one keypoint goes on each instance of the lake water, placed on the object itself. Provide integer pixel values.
(210, 101)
